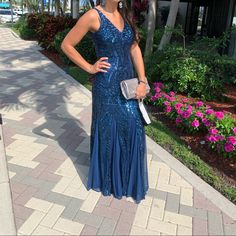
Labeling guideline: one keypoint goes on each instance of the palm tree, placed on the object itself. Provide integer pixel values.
(174, 5)
(151, 24)
(42, 5)
(75, 9)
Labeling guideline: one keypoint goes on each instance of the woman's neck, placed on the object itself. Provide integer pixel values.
(110, 6)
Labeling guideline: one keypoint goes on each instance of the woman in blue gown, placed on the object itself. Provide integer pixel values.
(118, 152)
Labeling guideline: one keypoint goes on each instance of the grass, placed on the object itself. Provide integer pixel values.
(79, 75)
(11, 26)
(174, 145)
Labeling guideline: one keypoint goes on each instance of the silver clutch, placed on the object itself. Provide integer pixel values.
(129, 86)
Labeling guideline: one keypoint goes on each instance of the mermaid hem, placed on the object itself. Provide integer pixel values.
(122, 176)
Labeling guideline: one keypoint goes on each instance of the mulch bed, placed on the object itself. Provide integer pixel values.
(226, 167)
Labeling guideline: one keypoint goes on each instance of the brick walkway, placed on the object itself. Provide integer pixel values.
(46, 125)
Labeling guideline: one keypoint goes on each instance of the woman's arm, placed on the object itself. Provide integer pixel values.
(137, 58)
(88, 21)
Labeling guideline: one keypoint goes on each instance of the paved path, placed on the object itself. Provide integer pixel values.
(46, 125)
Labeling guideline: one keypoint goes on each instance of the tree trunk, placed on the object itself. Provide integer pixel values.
(42, 6)
(57, 7)
(151, 24)
(64, 6)
(75, 9)
(174, 5)
(49, 4)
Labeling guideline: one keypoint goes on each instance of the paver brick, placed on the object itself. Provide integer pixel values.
(51, 217)
(72, 208)
(162, 226)
(107, 227)
(88, 218)
(31, 223)
(42, 230)
(68, 226)
(141, 217)
(178, 219)
(157, 209)
(215, 224)
(172, 202)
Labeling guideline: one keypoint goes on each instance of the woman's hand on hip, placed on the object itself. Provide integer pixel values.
(97, 67)
(141, 91)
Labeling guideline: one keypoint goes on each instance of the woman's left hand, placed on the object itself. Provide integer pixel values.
(141, 91)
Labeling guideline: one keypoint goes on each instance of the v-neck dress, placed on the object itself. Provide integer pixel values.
(118, 153)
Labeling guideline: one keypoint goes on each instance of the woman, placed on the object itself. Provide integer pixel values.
(118, 155)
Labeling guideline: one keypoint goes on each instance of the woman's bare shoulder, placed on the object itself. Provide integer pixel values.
(90, 15)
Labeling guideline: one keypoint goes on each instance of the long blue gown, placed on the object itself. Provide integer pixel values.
(118, 153)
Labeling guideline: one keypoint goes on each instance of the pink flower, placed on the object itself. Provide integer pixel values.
(178, 105)
(159, 84)
(219, 115)
(185, 99)
(199, 103)
(178, 120)
(171, 99)
(186, 114)
(207, 106)
(213, 138)
(179, 111)
(157, 89)
(234, 129)
(166, 96)
(213, 131)
(172, 94)
(232, 140)
(153, 98)
(199, 114)
(229, 147)
(206, 122)
(189, 107)
(168, 109)
(209, 111)
(221, 137)
(195, 123)
(166, 103)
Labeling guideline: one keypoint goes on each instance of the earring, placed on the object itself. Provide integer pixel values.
(103, 2)
(121, 4)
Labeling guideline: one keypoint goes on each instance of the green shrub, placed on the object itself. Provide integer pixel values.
(156, 40)
(183, 71)
(47, 26)
(85, 47)
(25, 31)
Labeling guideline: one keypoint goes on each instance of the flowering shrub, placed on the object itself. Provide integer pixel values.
(220, 127)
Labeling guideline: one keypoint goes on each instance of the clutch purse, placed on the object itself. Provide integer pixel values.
(128, 88)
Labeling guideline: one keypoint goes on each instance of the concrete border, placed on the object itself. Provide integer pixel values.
(7, 220)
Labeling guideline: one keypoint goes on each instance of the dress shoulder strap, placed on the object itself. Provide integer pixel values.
(99, 13)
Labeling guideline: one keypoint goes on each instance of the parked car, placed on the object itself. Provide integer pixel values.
(5, 16)
(18, 11)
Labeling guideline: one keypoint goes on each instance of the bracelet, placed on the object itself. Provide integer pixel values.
(140, 81)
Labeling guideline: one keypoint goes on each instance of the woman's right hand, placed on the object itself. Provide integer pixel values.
(97, 67)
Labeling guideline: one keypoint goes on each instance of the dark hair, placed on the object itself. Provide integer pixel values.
(127, 15)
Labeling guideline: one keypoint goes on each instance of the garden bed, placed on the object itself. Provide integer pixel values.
(225, 167)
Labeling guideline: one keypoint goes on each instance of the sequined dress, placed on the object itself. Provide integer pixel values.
(118, 153)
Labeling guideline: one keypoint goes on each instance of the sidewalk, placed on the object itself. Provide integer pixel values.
(46, 129)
